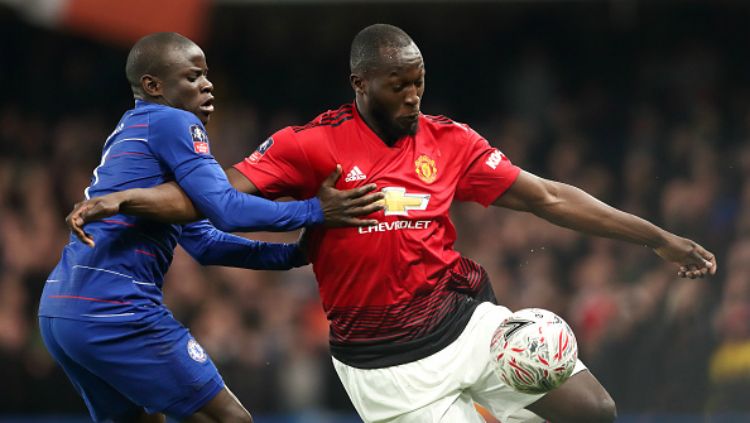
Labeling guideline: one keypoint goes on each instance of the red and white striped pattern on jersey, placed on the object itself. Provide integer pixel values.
(409, 320)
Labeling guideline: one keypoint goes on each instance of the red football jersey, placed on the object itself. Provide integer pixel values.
(399, 281)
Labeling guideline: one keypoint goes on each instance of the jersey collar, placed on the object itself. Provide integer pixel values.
(371, 135)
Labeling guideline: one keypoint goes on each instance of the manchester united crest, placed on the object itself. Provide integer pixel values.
(425, 168)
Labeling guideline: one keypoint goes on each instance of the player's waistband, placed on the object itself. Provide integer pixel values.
(418, 329)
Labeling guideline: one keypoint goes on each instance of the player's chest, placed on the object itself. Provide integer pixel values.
(413, 177)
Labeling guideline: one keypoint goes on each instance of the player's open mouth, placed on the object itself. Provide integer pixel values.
(410, 118)
(208, 106)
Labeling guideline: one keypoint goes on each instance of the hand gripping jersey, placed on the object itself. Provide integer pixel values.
(397, 291)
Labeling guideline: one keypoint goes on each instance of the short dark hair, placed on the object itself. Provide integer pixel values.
(149, 55)
(369, 42)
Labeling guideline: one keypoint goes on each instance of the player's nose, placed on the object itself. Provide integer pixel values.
(411, 97)
(207, 86)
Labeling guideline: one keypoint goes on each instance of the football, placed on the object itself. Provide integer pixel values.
(534, 351)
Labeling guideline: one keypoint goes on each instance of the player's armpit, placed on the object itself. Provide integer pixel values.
(240, 181)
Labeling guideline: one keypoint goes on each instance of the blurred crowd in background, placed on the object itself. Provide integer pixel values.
(647, 109)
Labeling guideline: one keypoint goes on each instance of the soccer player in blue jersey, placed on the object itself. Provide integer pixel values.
(101, 312)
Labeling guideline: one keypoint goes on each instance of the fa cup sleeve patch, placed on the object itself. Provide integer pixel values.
(258, 154)
(200, 139)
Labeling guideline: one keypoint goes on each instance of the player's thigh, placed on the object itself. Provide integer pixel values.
(224, 407)
(382, 394)
(458, 408)
(103, 401)
(507, 404)
(154, 362)
(145, 417)
(499, 399)
(580, 399)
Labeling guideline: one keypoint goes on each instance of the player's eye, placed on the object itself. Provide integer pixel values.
(192, 77)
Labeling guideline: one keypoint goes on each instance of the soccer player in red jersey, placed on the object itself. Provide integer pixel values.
(411, 320)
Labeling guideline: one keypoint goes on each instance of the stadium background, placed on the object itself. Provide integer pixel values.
(644, 104)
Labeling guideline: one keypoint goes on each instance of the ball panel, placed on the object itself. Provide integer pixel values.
(534, 351)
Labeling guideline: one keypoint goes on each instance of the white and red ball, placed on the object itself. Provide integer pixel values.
(534, 351)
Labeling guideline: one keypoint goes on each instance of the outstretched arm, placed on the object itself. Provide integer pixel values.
(571, 207)
(210, 246)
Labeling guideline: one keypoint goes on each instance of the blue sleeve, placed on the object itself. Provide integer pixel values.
(210, 246)
(179, 140)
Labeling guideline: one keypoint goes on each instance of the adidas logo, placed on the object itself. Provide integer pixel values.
(355, 175)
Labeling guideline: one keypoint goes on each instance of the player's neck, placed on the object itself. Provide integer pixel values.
(372, 123)
(150, 99)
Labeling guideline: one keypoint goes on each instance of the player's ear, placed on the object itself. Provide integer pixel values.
(358, 83)
(151, 85)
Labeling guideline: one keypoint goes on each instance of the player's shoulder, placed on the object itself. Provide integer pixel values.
(170, 117)
(441, 125)
(443, 122)
(165, 123)
(326, 121)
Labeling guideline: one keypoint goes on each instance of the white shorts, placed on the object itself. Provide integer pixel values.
(444, 386)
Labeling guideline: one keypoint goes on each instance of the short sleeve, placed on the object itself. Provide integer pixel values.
(489, 172)
(280, 167)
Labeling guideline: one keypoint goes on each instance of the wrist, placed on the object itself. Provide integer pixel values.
(316, 211)
(298, 256)
(661, 239)
(123, 199)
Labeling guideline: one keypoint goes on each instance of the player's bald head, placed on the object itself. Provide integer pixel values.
(152, 55)
(373, 46)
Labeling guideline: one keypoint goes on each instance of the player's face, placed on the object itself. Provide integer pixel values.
(186, 85)
(393, 93)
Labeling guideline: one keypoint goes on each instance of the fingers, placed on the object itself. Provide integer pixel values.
(360, 191)
(374, 199)
(364, 211)
(692, 271)
(709, 259)
(75, 223)
(356, 222)
(95, 212)
(333, 177)
(703, 263)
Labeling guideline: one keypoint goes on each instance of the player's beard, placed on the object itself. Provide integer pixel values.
(391, 128)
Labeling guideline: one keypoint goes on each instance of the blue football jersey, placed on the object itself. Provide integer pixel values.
(121, 278)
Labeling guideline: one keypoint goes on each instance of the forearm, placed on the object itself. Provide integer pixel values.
(233, 211)
(257, 255)
(165, 203)
(227, 208)
(210, 246)
(573, 208)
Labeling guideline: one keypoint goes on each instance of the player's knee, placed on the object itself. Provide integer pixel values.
(589, 409)
(235, 415)
(609, 410)
(601, 410)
